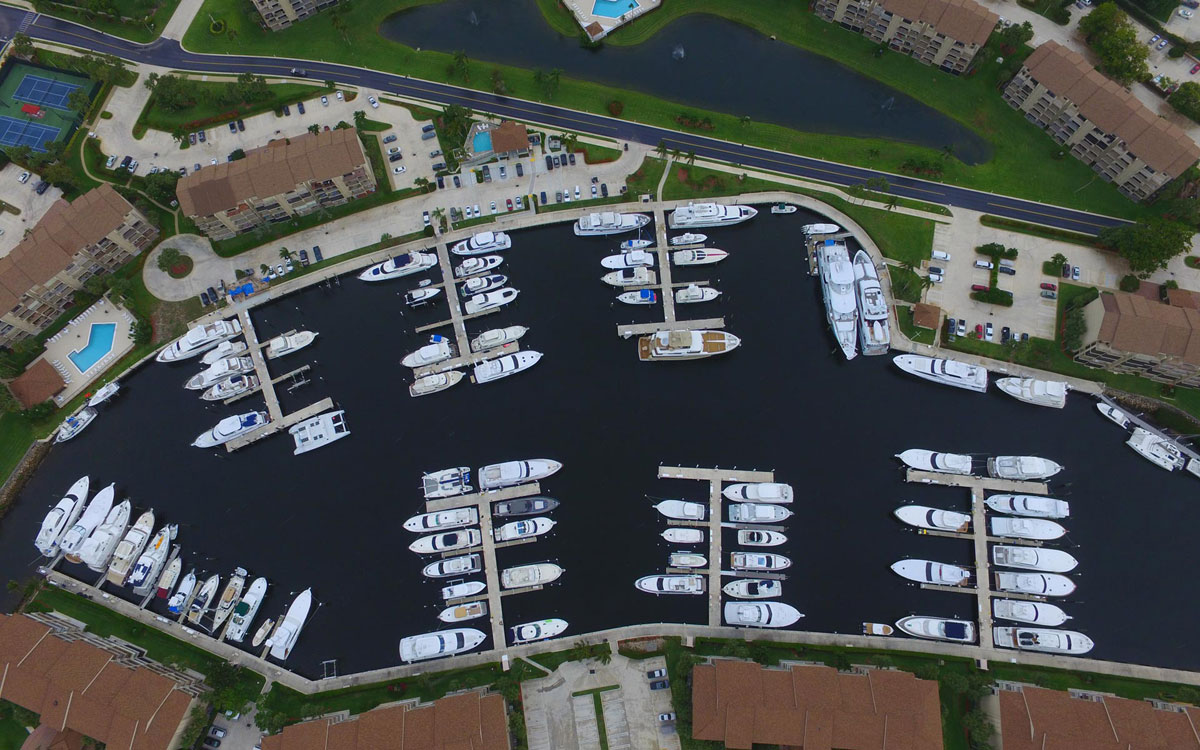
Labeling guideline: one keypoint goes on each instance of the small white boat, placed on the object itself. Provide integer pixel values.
(234, 386)
(447, 541)
(463, 612)
(438, 350)
(200, 339)
(636, 244)
(536, 574)
(639, 297)
(443, 520)
(686, 560)
(229, 598)
(1052, 393)
(524, 506)
(1032, 506)
(78, 532)
(640, 276)
(482, 243)
(1041, 639)
(537, 631)
(815, 229)
(753, 588)
(1033, 558)
(472, 266)
(945, 463)
(446, 483)
(783, 208)
(683, 535)
(761, 614)
(481, 284)
(510, 473)
(1022, 467)
(759, 492)
(319, 431)
(1033, 613)
(104, 393)
(671, 584)
(609, 222)
(937, 628)
(526, 528)
(758, 561)
(203, 598)
(1114, 414)
(924, 517)
(629, 260)
(399, 266)
(693, 293)
(284, 638)
(246, 609)
(220, 370)
(944, 371)
(461, 589)
(700, 215)
(1163, 453)
(1025, 528)
(700, 256)
(757, 513)
(439, 381)
(418, 297)
(145, 571)
(231, 427)
(454, 566)
(689, 238)
(442, 643)
(670, 346)
(177, 601)
(75, 424)
(290, 344)
(98, 548)
(130, 549)
(263, 631)
(1034, 584)
(61, 518)
(497, 337)
(490, 300)
(756, 538)
(169, 577)
(928, 571)
(682, 510)
(878, 628)
(224, 350)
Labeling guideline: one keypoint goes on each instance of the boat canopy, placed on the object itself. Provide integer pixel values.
(955, 630)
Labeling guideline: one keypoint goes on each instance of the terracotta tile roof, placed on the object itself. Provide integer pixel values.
(927, 316)
(509, 136)
(38, 383)
(1165, 147)
(1183, 298)
(964, 20)
(1036, 718)
(18, 636)
(1135, 324)
(271, 170)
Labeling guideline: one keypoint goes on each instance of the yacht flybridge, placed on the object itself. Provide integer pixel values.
(667, 346)
(1052, 393)
(399, 267)
(61, 517)
(609, 222)
(482, 243)
(945, 463)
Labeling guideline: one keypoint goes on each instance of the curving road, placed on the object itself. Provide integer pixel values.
(168, 53)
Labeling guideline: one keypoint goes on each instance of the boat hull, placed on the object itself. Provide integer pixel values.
(761, 614)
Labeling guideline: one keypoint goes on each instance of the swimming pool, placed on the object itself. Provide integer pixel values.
(482, 142)
(99, 343)
(613, 8)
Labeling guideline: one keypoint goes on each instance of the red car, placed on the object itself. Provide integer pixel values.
(1195, 68)
(508, 203)
(979, 287)
(1051, 287)
(979, 331)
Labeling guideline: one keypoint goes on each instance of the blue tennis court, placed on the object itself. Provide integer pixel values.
(44, 91)
(14, 132)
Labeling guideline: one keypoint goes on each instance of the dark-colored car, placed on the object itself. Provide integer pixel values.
(487, 174)
(395, 157)
(204, 302)
(389, 138)
(300, 107)
(660, 685)
(428, 136)
(317, 253)
(543, 196)
(1048, 285)
(441, 182)
(557, 162)
(1024, 337)
(457, 182)
(549, 162)
(441, 165)
(604, 189)
(1007, 270)
(558, 196)
(212, 293)
(520, 170)
(126, 161)
(299, 72)
(979, 287)
(1005, 334)
(935, 269)
(287, 111)
(200, 136)
(233, 127)
(1066, 271)
(572, 158)
(303, 257)
(191, 139)
(656, 673)
(42, 187)
(427, 128)
(1049, 294)
(241, 126)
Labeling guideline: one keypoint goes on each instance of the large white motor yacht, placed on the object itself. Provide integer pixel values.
(509, 364)
(535, 574)
(447, 541)
(200, 339)
(218, 371)
(669, 346)
(1034, 584)
(631, 259)
(537, 631)
(246, 609)
(699, 215)
(234, 386)
(87, 522)
(1114, 414)
(609, 222)
(924, 517)
(1033, 613)
(75, 424)
(694, 293)
(481, 243)
(480, 284)
(231, 427)
(476, 265)
(1042, 639)
(319, 431)
(682, 510)
(509, 473)
(497, 337)
(945, 463)
(1159, 451)
(454, 566)
(753, 588)
(874, 331)
(1025, 528)
(441, 643)
(437, 350)
(938, 628)
(399, 267)
(686, 560)
(837, 287)
(699, 256)
(1032, 506)
(224, 349)
(526, 528)
(758, 561)
(637, 276)
(130, 548)
(815, 229)
(98, 548)
(671, 584)
(1022, 467)
(435, 383)
(928, 571)
(287, 632)
(683, 535)
(688, 238)
(289, 344)
(759, 492)
(761, 614)
(944, 371)
(761, 538)
(489, 300)
(758, 513)
(144, 576)
(182, 594)
(61, 517)
(443, 520)
(1052, 393)
(1033, 558)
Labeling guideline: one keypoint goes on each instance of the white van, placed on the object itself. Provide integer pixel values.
(985, 264)
(939, 255)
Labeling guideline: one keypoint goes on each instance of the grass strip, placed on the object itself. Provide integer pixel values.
(209, 112)
(1037, 230)
(135, 31)
(600, 728)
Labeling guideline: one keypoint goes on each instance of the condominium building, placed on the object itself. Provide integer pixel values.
(943, 33)
(286, 178)
(280, 14)
(95, 234)
(1131, 334)
(1099, 122)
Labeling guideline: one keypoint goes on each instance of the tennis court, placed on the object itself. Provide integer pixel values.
(34, 105)
(46, 92)
(14, 132)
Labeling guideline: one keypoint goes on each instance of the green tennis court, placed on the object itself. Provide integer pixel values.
(33, 104)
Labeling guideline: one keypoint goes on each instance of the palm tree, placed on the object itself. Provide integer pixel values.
(661, 149)
(676, 154)
(285, 254)
(892, 201)
(461, 63)
(421, 183)
(691, 158)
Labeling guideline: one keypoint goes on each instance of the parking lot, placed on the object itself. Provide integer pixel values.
(24, 198)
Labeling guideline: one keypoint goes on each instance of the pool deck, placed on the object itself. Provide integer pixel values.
(74, 337)
(583, 10)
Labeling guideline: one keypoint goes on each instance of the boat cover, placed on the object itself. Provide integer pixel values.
(956, 630)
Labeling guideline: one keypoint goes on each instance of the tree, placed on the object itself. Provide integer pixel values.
(498, 84)
(360, 119)
(161, 186)
(422, 183)
(461, 65)
(22, 45)
(979, 728)
(691, 158)
(1058, 259)
(170, 92)
(285, 254)
(60, 175)
(1016, 35)
(1186, 100)
(878, 184)
(1114, 39)
(168, 259)
(251, 88)
(661, 149)
(1148, 245)
(314, 129)
(78, 101)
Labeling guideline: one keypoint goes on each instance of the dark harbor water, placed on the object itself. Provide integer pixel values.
(700, 61)
(331, 519)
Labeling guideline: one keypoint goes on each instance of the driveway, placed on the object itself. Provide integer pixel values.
(25, 199)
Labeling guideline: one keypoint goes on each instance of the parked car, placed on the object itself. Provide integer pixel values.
(543, 197)
(300, 107)
(1195, 68)
(24, 178)
(435, 153)
(604, 189)
(549, 162)
(303, 257)
(467, 212)
(1162, 44)
(520, 170)
(191, 139)
(399, 170)
(217, 732)
(984, 264)
(557, 163)
(183, 171)
(279, 270)
(1005, 334)
(200, 136)
(594, 191)
(477, 211)
(1048, 294)
(962, 327)
(1066, 270)
(233, 127)
(508, 203)
(212, 743)
(572, 158)
(936, 269)
(441, 182)
(389, 138)
(1154, 40)
(493, 207)
(287, 112)
(440, 166)
(939, 255)
(428, 135)
(317, 253)
(1075, 273)
(667, 717)
(1185, 13)
(988, 331)
(660, 685)
(395, 157)
(1048, 285)
(324, 101)
(339, 96)
(654, 674)
(576, 192)
(394, 150)
(108, 164)
(503, 172)
(373, 102)
(936, 278)
(1008, 270)
(457, 182)
(979, 287)
(425, 217)
(204, 301)
(196, 167)
(558, 196)
(979, 330)
(241, 126)
(427, 128)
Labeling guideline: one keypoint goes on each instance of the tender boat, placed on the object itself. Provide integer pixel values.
(447, 483)
(438, 350)
(463, 612)
(753, 588)
(693, 293)
(636, 244)
(448, 541)
(815, 229)
(537, 631)
(169, 577)
(418, 297)
(283, 345)
(62, 517)
(640, 276)
(490, 300)
(200, 339)
(669, 346)
(284, 638)
(639, 297)
(1159, 451)
(944, 371)
(75, 424)
(224, 350)
(203, 598)
(462, 588)
(1034, 613)
(443, 520)
(454, 566)
(837, 288)
(1034, 584)
(231, 427)
(234, 386)
(759, 492)
(104, 393)
(682, 510)
(671, 584)
(1033, 558)
(1032, 506)
(220, 370)
(523, 529)
(924, 517)
(1114, 414)
(756, 538)
(1022, 467)
(98, 548)
(399, 266)
(263, 631)
(536, 574)
(938, 628)
(686, 560)
(927, 571)
(442, 643)
(482, 243)
(683, 535)
(700, 256)
(1041, 639)
(246, 609)
(699, 215)
(758, 561)
(945, 463)
(632, 259)
(1025, 528)
(229, 599)
(510, 473)
(472, 266)
(783, 208)
(497, 337)
(878, 628)
(757, 513)
(1052, 393)
(874, 328)
(177, 601)
(440, 381)
(761, 614)
(319, 431)
(87, 522)
(481, 284)
(689, 238)
(524, 506)
(130, 549)
(609, 222)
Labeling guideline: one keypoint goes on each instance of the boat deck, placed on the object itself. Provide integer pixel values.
(286, 376)
(274, 426)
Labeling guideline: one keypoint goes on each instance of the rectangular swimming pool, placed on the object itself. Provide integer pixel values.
(99, 343)
(482, 142)
(613, 8)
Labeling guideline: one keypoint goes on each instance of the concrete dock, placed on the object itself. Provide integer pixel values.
(260, 367)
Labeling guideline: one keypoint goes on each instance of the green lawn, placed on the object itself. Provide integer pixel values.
(213, 114)
(12, 734)
(159, 11)
(1037, 230)
(906, 285)
(552, 659)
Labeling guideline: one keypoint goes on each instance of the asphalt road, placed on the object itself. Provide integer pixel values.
(168, 53)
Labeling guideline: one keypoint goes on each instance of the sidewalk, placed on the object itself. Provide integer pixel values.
(181, 19)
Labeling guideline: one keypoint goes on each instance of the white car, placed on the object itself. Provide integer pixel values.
(398, 170)
(576, 192)
(374, 102)
(108, 165)
(340, 97)
(24, 178)
(1185, 13)
(939, 255)
(935, 277)
(467, 212)
(425, 217)
(477, 211)
(288, 264)
(493, 206)
(324, 101)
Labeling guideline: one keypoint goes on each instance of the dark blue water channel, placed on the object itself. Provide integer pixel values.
(699, 61)
(331, 519)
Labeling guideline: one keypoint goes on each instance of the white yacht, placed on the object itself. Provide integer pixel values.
(418, 297)
(438, 350)
(639, 276)
(693, 293)
(682, 510)
(671, 584)
(62, 517)
(447, 541)
(78, 532)
(1052, 393)
(481, 264)
(874, 331)
(837, 287)
(284, 638)
(938, 628)
(815, 229)
(509, 364)
(229, 599)
(435, 383)
(289, 344)
(759, 492)
(700, 215)
(638, 244)
(753, 588)
(700, 256)
(1041, 639)
(218, 371)
(509, 473)
(523, 529)
(1033, 613)
(924, 517)
(462, 588)
(231, 427)
(1034, 584)
(1022, 467)
(928, 571)
(1033, 558)
(537, 631)
(453, 566)
(524, 506)
(1159, 451)
(144, 576)
(463, 612)
(441, 643)
(609, 222)
(497, 337)
(1031, 506)
(203, 598)
(200, 339)
(758, 561)
(234, 386)
(944, 371)
(482, 243)
(223, 350)
(319, 431)
(761, 614)
(399, 266)
(757, 513)
(263, 631)
(104, 393)
(686, 560)
(447, 482)
(536, 574)
(674, 346)
(75, 424)
(480, 284)
(639, 297)
(1025, 528)
(443, 520)
(1114, 414)
(783, 208)
(246, 609)
(490, 300)
(690, 238)
(945, 463)
(169, 577)
(180, 598)
(97, 549)
(683, 535)
(757, 538)
(632, 259)
(129, 549)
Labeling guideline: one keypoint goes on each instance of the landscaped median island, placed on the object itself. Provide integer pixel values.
(179, 105)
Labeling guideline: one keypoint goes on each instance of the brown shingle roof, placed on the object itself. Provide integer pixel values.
(927, 316)
(36, 384)
(1036, 718)
(1165, 147)
(509, 136)
(1135, 324)
(964, 20)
